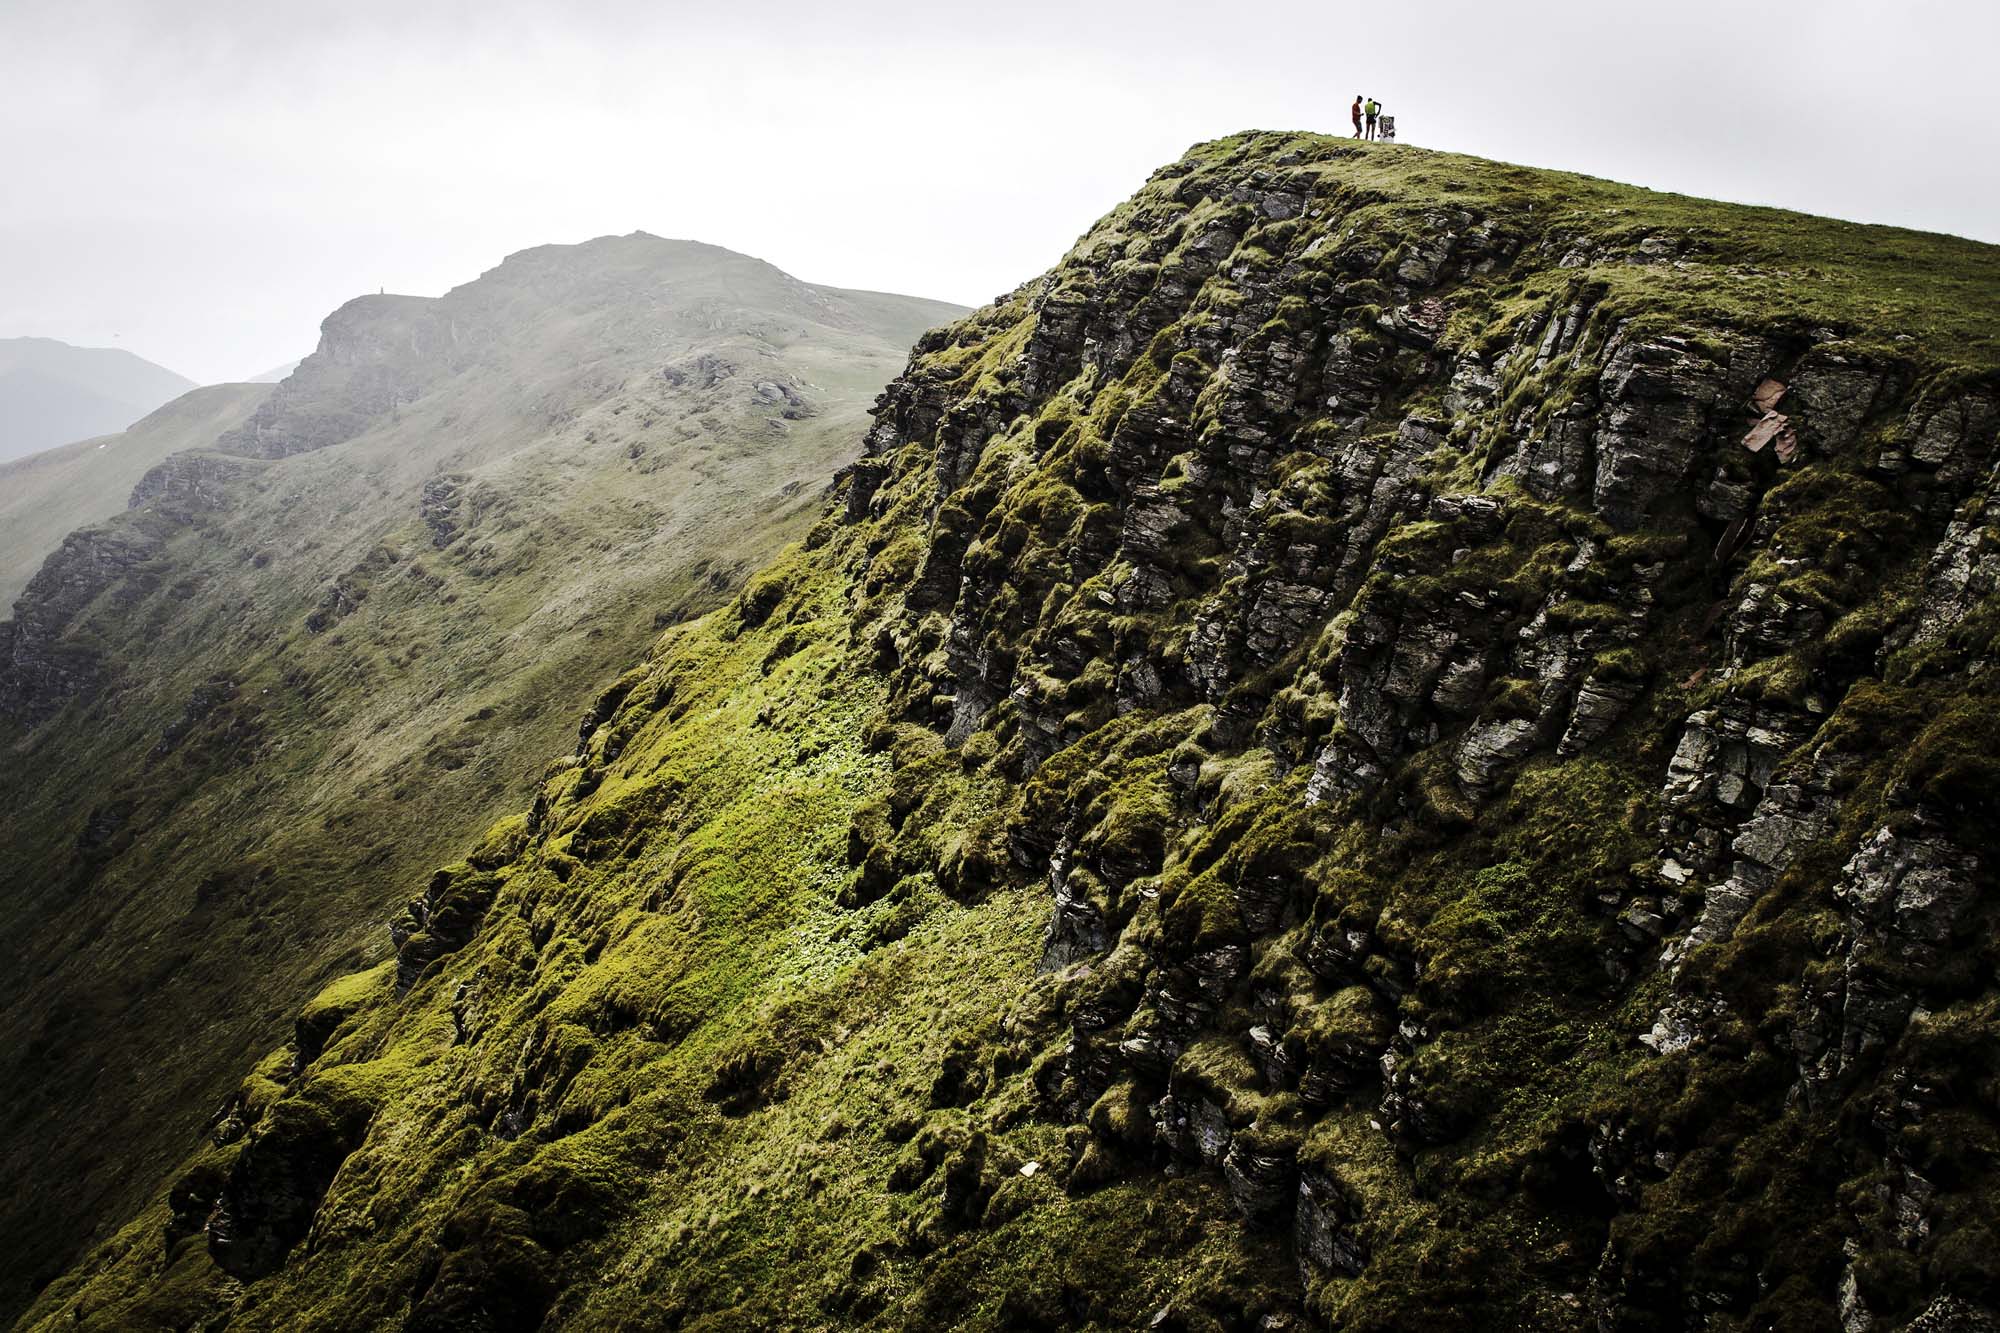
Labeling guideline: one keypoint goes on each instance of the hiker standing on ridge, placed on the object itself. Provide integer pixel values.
(1357, 115)
(1372, 110)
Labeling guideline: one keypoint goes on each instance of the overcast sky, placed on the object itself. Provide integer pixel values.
(201, 181)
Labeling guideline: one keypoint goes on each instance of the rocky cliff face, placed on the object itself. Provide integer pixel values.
(49, 495)
(52, 656)
(1396, 742)
(374, 353)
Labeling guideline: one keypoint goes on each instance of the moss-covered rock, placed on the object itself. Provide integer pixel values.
(1310, 776)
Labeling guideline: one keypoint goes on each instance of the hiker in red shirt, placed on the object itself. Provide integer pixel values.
(1357, 115)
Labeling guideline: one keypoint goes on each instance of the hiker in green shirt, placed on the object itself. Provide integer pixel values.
(1372, 110)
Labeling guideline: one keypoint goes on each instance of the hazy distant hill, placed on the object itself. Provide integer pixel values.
(249, 714)
(52, 393)
(46, 495)
(275, 373)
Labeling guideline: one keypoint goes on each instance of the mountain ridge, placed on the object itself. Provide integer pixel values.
(361, 613)
(1395, 742)
(46, 495)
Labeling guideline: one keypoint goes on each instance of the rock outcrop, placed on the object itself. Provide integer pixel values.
(1366, 752)
(375, 353)
(47, 662)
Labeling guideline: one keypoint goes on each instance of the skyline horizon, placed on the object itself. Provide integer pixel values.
(215, 181)
(286, 363)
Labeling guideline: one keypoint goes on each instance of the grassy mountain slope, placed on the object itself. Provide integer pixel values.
(52, 393)
(49, 494)
(324, 650)
(1310, 776)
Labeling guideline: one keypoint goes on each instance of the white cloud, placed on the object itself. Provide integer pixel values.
(201, 182)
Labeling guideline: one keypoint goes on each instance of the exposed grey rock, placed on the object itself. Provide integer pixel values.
(50, 659)
(1855, 1316)
(1953, 1314)
(1725, 756)
(1259, 1176)
(1769, 619)
(1150, 1053)
(1681, 1024)
(1460, 683)
(190, 483)
(1660, 397)
(1957, 438)
(1282, 550)
(1076, 926)
(1836, 394)
(1729, 499)
(375, 353)
(1636, 444)
(1191, 1127)
(1792, 813)
(1323, 1230)
(1624, 1161)
(1489, 747)
(1405, 1115)
(1904, 893)
(1964, 570)
(1335, 951)
(1600, 702)
(1346, 765)
(440, 506)
(1473, 388)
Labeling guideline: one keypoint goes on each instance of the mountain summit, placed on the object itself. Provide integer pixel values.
(1397, 742)
(341, 636)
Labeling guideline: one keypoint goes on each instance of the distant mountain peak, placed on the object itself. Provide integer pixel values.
(52, 392)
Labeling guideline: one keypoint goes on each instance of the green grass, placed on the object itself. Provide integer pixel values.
(1758, 268)
(263, 847)
(753, 1031)
(52, 493)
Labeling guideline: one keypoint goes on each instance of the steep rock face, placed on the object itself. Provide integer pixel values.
(1397, 742)
(374, 353)
(187, 483)
(1415, 564)
(51, 658)
(44, 664)
(45, 497)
